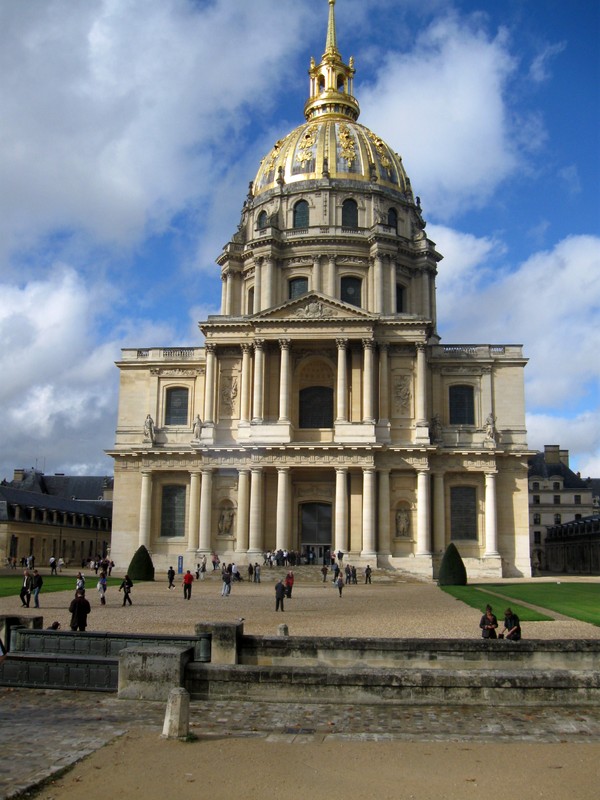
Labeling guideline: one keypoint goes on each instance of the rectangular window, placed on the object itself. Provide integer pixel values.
(537, 537)
(176, 412)
(536, 499)
(462, 405)
(556, 499)
(463, 512)
(577, 499)
(172, 517)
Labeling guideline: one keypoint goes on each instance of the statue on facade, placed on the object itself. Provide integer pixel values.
(197, 427)
(226, 520)
(491, 432)
(402, 522)
(435, 428)
(149, 429)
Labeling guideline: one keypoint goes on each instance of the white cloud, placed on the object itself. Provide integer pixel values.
(539, 70)
(444, 105)
(580, 435)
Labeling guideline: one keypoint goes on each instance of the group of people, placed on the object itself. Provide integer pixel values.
(489, 624)
(31, 587)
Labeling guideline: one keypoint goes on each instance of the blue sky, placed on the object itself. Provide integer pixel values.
(131, 128)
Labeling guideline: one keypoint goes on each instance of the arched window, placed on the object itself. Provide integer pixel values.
(393, 219)
(321, 83)
(301, 214)
(462, 405)
(463, 512)
(176, 406)
(399, 298)
(316, 407)
(172, 515)
(340, 84)
(351, 290)
(251, 301)
(261, 223)
(349, 214)
(297, 286)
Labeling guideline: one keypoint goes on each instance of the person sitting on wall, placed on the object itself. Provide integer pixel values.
(512, 626)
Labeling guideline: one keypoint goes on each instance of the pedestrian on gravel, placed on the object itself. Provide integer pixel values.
(125, 587)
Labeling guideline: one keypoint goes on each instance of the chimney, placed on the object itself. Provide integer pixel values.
(19, 475)
(564, 457)
(552, 453)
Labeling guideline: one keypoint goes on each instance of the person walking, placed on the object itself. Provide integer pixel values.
(188, 579)
(101, 586)
(368, 572)
(171, 577)
(256, 572)
(280, 592)
(79, 608)
(340, 583)
(36, 584)
(79, 582)
(125, 587)
(53, 565)
(324, 572)
(289, 584)
(226, 577)
(26, 586)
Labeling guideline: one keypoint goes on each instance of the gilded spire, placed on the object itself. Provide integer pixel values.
(331, 81)
(331, 43)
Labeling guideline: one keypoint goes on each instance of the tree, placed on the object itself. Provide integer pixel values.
(141, 567)
(452, 568)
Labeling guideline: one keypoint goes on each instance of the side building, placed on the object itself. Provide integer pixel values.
(323, 412)
(68, 517)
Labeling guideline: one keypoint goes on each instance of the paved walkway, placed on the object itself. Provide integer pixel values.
(43, 732)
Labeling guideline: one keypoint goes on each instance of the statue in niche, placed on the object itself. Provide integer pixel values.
(402, 394)
(491, 432)
(226, 520)
(402, 522)
(197, 427)
(149, 429)
(435, 428)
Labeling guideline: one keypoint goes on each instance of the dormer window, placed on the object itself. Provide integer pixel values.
(297, 286)
(261, 222)
(301, 214)
(351, 290)
(349, 214)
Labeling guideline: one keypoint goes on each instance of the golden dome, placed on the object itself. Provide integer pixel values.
(333, 147)
(331, 144)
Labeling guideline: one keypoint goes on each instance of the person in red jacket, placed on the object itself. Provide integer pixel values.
(289, 583)
(188, 579)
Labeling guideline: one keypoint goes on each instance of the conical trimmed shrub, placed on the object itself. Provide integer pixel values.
(452, 568)
(141, 567)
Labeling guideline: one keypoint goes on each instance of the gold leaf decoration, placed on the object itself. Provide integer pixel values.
(381, 150)
(347, 145)
(305, 147)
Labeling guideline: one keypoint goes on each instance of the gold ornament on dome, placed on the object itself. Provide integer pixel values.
(347, 145)
(305, 148)
(272, 157)
(380, 148)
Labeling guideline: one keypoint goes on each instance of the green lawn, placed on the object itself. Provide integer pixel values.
(11, 584)
(474, 597)
(577, 600)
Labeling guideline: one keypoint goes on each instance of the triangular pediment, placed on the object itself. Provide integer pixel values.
(313, 306)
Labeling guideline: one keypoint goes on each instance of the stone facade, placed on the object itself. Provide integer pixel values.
(323, 412)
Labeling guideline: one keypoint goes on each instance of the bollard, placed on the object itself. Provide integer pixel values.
(177, 715)
(282, 630)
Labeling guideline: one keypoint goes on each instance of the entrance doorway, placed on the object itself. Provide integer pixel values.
(315, 532)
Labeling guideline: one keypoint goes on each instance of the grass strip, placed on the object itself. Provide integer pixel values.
(577, 600)
(10, 585)
(477, 597)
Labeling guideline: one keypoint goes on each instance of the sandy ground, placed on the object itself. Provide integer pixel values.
(140, 764)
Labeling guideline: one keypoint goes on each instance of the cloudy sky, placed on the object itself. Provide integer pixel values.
(129, 132)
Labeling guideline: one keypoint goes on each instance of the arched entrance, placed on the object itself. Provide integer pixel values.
(315, 532)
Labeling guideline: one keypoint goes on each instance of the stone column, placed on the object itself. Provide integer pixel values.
(368, 515)
(341, 509)
(145, 510)
(342, 398)
(378, 284)
(241, 544)
(245, 388)
(491, 533)
(259, 372)
(284, 381)
(258, 285)
(316, 276)
(421, 383)
(223, 292)
(368, 347)
(256, 511)
(331, 281)
(425, 290)
(384, 389)
(209, 391)
(194, 515)
(268, 282)
(423, 513)
(205, 510)
(229, 292)
(439, 513)
(383, 476)
(282, 534)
